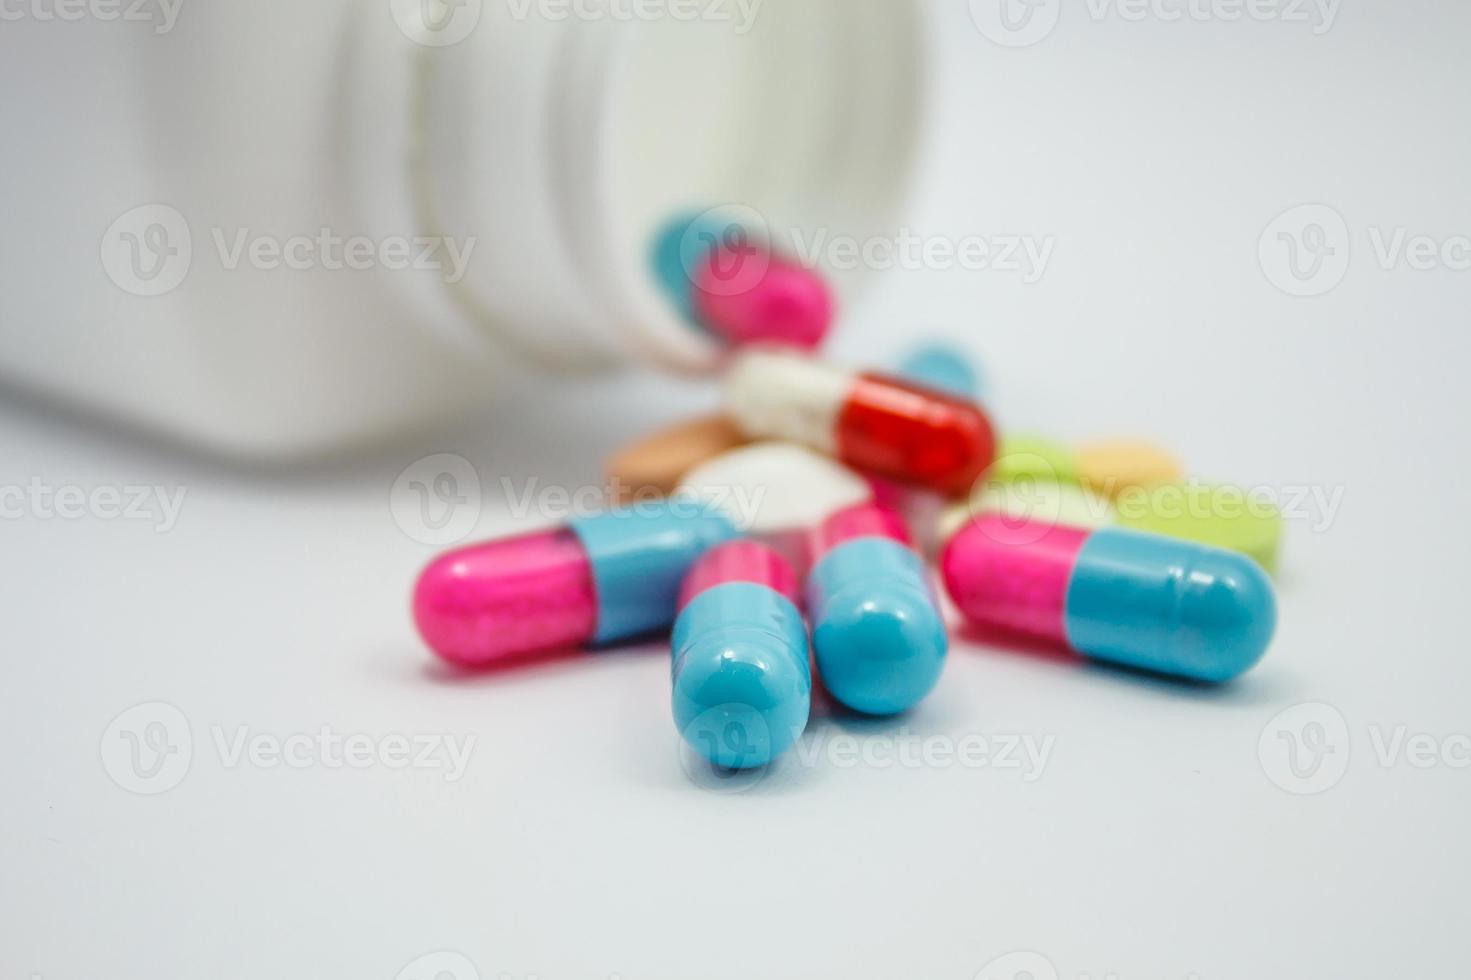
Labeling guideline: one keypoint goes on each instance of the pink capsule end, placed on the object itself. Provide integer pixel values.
(1013, 575)
(860, 521)
(748, 295)
(503, 600)
(740, 561)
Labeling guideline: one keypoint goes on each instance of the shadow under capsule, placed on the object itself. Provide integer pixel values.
(1248, 687)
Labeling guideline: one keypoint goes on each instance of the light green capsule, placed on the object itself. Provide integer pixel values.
(1223, 516)
(1034, 457)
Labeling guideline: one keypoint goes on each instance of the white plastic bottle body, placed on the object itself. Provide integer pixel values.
(282, 228)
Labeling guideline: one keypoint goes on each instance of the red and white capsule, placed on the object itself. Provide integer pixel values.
(883, 425)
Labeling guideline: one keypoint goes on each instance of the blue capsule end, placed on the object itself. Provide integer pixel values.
(1169, 606)
(879, 638)
(680, 246)
(742, 685)
(639, 556)
(944, 368)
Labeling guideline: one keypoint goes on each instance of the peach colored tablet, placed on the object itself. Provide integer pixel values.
(655, 464)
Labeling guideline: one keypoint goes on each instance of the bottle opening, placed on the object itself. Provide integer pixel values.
(800, 121)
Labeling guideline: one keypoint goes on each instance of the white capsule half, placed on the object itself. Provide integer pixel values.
(777, 492)
(775, 395)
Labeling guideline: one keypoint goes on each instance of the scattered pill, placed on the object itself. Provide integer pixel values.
(944, 368)
(681, 245)
(777, 492)
(748, 295)
(1028, 500)
(724, 279)
(1123, 596)
(654, 465)
(742, 667)
(1219, 516)
(600, 579)
(1113, 467)
(881, 425)
(1041, 459)
(878, 635)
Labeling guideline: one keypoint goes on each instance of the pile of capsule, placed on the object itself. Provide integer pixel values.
(787, 535)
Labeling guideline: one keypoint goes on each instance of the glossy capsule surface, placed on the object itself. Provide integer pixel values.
(748, 295)
(741, 670)
(600, 579)
(721, 278)
(882, 425)
(877, 632)
(1141, 600)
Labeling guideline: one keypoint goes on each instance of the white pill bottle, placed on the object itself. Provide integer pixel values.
(279, 228)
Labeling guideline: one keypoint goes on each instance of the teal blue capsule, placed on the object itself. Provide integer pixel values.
(741, 669)
(877, 631)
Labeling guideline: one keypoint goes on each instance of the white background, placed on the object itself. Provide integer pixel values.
(1156, 842)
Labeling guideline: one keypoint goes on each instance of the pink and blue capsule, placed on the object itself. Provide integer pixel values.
(1126, 597)
(721, 279)
(742, 666)
(877, 631)
(601, 579)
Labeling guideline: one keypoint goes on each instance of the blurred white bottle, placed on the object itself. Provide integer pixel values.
(219, 214)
